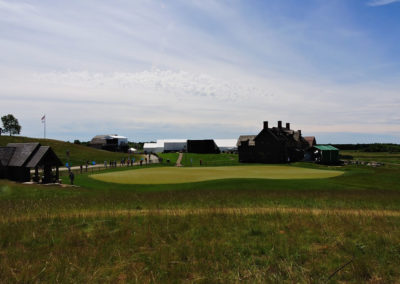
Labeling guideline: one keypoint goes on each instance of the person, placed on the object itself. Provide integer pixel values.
(71, 176)
(105, 164)
(81, 168)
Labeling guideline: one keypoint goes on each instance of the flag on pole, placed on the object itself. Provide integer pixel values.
(43, 118)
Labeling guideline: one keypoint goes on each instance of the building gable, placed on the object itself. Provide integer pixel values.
(23, 152)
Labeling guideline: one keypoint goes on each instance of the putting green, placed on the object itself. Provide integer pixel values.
(171, 175)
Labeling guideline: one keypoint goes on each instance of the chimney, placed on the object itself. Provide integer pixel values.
(299, 133)
(287, 125)
(265, 124)
(279, 124)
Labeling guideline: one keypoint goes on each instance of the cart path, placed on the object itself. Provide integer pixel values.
(179, 160)
(202, 211)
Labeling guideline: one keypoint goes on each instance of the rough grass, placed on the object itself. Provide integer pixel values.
(219, 231)
(202, 248)
(79, 154)
(173, 175)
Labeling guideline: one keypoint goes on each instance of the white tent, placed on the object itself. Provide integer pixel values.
(173, 145)
(226, 145)
(153, 147)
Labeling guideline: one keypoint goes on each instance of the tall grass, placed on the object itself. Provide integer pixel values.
(206, 248)
(104, 232)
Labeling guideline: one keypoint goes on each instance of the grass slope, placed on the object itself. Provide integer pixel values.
(173, 175)
(79, 154)
(223, 159)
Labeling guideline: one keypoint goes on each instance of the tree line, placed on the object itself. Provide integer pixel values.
(375, 147)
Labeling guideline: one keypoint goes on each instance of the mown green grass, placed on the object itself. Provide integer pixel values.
(209, 248)
(173, 175)
(193, 160)
(171, 157)
(223, 159)
(78, 154)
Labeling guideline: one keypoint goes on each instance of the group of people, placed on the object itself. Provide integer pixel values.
(112, 164)
(127, 161)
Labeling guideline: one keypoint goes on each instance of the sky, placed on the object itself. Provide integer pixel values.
(201, 69)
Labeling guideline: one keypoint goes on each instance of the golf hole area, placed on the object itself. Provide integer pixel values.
(174, 175)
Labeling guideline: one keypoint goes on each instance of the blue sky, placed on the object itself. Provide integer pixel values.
(202, 69)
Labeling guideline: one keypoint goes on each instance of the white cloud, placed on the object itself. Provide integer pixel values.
(187, 66)
(381, 2)
(184, 101)
(15, 7)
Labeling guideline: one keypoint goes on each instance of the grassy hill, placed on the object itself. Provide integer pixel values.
(78, 153)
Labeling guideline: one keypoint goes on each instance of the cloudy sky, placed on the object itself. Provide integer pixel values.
(202, 68)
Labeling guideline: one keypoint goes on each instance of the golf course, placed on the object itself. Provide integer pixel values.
(172, 175)
(222, 222)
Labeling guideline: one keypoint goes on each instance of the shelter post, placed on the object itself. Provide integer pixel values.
(58, 174)
(36, 178)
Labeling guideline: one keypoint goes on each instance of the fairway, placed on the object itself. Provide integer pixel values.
(173, 175)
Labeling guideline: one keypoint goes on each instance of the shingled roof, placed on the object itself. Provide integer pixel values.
(23, 152)
(310, 140)
(43, 155)
(27, 155)
(5, 155)
(243, 138)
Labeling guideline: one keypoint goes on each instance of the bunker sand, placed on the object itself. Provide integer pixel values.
(174, 175)
(204, 211)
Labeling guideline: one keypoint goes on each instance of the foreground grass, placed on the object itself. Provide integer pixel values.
(231, 230)
(206, 248)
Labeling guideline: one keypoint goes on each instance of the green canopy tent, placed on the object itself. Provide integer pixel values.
(326, 154)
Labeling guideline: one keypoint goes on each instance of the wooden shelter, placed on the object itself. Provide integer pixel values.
(17, 160)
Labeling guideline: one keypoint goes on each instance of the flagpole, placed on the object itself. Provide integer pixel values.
(44, 126)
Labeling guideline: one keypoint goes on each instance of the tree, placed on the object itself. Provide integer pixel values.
(10, 124)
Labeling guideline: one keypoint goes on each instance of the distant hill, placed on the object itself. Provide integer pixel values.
(375, 147)
(78, 154)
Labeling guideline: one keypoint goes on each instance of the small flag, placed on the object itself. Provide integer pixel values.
(43, 118)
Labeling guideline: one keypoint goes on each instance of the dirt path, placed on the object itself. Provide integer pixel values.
(179, 160)
(204, 211)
